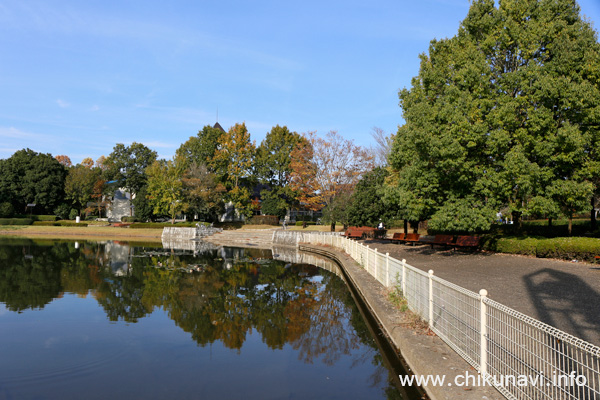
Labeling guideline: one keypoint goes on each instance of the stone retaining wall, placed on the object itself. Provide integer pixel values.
(176, 233)
(292, 238)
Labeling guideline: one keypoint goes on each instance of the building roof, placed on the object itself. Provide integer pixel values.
(218, 126)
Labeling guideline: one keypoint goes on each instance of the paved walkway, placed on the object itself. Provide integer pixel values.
(563, 294)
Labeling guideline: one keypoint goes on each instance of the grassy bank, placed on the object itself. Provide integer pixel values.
(82, 233)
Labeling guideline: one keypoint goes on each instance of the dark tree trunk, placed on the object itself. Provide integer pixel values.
(570, 225)
(415, 226)
(405, 226)
(593, 214)
(516, 216)
(333, 227)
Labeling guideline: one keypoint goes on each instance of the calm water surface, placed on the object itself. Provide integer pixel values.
(97, 320)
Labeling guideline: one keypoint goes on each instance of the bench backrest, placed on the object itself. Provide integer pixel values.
(398, 236)
(412, 237)
(443, 239)
(468, 241)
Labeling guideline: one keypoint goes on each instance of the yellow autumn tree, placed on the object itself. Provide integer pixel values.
(234, 159)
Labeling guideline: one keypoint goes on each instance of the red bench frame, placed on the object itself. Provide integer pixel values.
(443, 240)
(467, 242)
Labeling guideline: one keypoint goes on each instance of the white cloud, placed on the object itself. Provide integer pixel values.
(95, 108)
(14, 139)
(14, 133)
(160, 145)
(62, 103)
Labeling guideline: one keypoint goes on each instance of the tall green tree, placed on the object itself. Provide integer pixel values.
(203, 193)
(79, 185)
(500, 112)
(127, 166)
(366, 207)
(200, 149)
(272, 164)
(165, 187)
(28, 177)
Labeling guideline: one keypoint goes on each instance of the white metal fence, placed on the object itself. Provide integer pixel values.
(519, 355)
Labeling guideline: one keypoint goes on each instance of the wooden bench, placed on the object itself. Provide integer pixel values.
(362, 232)
(443, 240)
(349, 230)
(411, 238)
(354, 233)
(467, 242)
(368, 232)
(397, 238)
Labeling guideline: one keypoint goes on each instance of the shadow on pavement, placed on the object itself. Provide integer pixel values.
(565, 300)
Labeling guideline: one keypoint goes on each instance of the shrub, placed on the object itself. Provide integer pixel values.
(62, 211)
(6, 210)
(301, 223)
(73, 214)
(566, 248)
(264, 220)
(130, 219)
(72, 224)
(44, 217)
(16, 221)
(59, 223)
(46, 223)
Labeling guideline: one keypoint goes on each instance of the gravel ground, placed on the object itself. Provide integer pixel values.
(563, 294)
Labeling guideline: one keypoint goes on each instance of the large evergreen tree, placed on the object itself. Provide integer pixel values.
(367, 206)
(272, 165)
(503, 113)
(126, 165)
(28, 177)
(200, 149)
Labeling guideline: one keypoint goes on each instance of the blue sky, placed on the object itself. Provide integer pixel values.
(77, 77)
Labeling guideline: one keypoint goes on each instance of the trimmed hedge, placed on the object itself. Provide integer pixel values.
(160, 225)
(566, 248)
(72, 223)
(44, 217)
(39, 217)
(46, 223)
(301, 223)
(59, 223)
(130, 219)
(264, 220)
(16, 221)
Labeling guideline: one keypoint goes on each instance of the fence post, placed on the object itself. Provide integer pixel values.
(404, 278)
(367, 259)
(387, 269)
(376, 264)
(430, 298)
(483, 335)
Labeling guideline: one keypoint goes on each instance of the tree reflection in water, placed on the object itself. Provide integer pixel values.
(229, 293)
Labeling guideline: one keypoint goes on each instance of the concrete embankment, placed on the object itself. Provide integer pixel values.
(425, 354)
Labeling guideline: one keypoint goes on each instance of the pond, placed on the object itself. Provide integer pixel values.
(101, 320)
